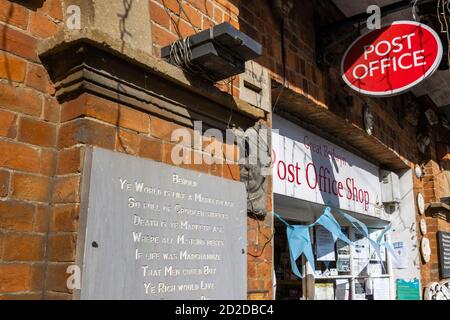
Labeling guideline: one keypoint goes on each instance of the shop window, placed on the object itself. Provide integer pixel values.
(342, 272)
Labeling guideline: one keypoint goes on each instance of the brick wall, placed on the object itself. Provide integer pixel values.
(29, 116)
(42, 145)
(42, 142)
(433, 186)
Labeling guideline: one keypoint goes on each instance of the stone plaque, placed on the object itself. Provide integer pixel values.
(155, 231)
(255, 87)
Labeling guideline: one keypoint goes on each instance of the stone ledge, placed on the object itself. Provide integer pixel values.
(65, 39)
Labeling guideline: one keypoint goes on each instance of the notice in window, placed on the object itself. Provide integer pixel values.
(400, 261)
(324, 245)
(324, 291)
(373, 253)
(342, 289)
(381, 289)
(360, 290)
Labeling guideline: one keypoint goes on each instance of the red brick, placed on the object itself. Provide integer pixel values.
(228, 6)
(185, 28)
(41, 218)
(90, 106)
(87, 131)
(162, 129)
(23, 247)
(13, 14)
(37, 132)
(151, 148)
(172, 5)
(53, 8)
(218, 15)
(15, 277)
(48, 162)
(57, 296)
(62, 247)
(8, 127)
(20, 99)
(18, 43)
(16, 216)
(65, 218)
(19, 156)
(4, 183)
(231, 171)
(20, 296)
(37, 277)
(70, 160)
(205, 7)
(30, 187)
(57, 277)
(12, 68)
(191, 15)
(51, 110)
(159, 15)
(264, 270)
(134, 120)
(161, 36)
(66, 189)
(38, 78)
(42, 26)
(127, 142)
(255, 285)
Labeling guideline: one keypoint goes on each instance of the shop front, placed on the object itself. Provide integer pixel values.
(313, 176)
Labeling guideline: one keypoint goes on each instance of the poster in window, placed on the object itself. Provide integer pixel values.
(361, 248)
(381, 289)
(374, 234)
(360, 290)
(361, 255)
(324, 245)
(400, 261)
(342, 289)
(324, 291)
(343, 264)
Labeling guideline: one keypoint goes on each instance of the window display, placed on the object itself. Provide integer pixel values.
(342, 272)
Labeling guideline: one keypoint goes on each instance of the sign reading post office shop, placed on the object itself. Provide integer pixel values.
(155, 231)
(392, 59)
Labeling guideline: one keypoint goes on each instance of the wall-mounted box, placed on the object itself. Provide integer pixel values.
(390, 187)
(254, 86)
(219, 52)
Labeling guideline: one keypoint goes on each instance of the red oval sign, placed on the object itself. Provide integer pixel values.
(392, 59)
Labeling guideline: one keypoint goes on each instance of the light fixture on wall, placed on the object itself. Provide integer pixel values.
(215, 54)
(423, 141)
(411, 110)
(432, 117)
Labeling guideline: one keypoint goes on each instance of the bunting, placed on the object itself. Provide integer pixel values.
(299, 238)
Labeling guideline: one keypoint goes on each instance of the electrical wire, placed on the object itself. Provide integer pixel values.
(443, 8)
(414, 10)
(283, 61)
